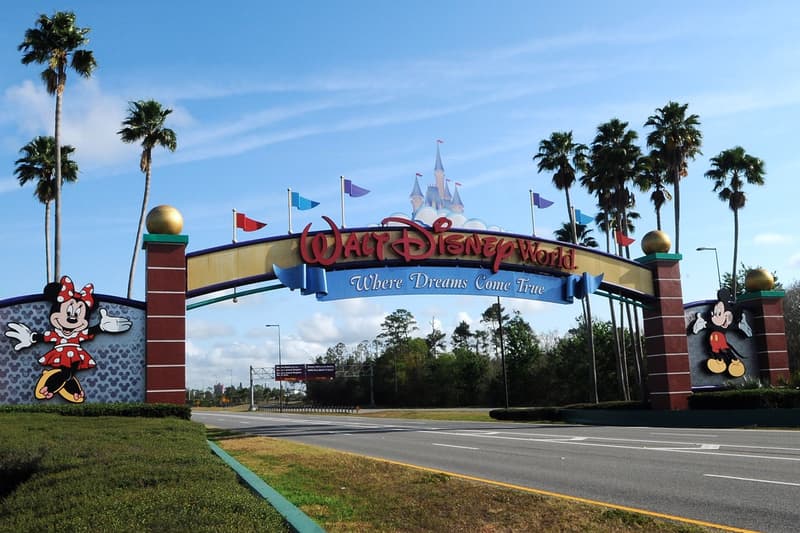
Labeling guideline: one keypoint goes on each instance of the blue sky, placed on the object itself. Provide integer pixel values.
(271, 95)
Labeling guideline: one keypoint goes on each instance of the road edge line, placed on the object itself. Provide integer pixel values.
(542, 492)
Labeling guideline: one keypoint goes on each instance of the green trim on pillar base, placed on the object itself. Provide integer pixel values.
(758, 295)
(651, 258)
(164, 238)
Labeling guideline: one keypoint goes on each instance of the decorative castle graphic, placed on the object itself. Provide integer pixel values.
(438, 195)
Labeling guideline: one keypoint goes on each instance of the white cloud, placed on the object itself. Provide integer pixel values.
(772, 239)
(794, 260)
(204, 329)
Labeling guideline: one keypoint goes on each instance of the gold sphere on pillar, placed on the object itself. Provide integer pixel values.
(164, 220)
(656, 241)
(759, 279)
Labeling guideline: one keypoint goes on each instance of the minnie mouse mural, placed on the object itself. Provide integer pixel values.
(69, 317)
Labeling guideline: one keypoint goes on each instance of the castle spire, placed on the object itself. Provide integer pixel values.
(416, 195)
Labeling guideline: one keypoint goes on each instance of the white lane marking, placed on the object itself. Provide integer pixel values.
(755, 480)
(454, 446)
(699, 449)
(685, 435)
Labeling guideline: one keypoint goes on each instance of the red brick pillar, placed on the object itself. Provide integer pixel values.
(769, 331)
(668, 375)
(165, 288)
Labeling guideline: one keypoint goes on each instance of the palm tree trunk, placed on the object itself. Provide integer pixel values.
(677, 198)
(735, 251)
(139, 231)
(57, 231)
(658, 218)
(47, 241)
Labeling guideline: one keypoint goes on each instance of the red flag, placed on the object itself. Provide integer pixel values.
(248, 224)
(419, 175)
(439, 141)
(459, 184)
(623, 239)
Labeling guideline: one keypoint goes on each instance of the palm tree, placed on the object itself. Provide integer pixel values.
(564, 234)
(653, 176)
(145, 122)
(561, 155)
(730, 169)
(614, 161)
(55, 42)
(39, 163)
(675, 139)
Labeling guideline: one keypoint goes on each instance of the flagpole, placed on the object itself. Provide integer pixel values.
(572, 223)
(341, 191)
(533, 220)
(289, 198)
(235, 300)
(234, 226)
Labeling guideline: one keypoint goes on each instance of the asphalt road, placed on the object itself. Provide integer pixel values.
(746, 478)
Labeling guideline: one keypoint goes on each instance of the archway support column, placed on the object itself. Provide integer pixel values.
(165, 288)
(769, 329)
(668, 373)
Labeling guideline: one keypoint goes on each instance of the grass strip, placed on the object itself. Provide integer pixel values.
(296, 518)
(120, 474)
(345, 492)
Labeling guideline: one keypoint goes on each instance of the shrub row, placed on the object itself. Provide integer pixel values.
(746, 399)
(146, 410)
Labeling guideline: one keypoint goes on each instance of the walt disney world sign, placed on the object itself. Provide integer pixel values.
(405, 257)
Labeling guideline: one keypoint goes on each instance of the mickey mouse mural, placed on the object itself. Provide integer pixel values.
(724, 317)
(70, 312)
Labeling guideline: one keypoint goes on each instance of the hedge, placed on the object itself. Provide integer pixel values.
(146, 410)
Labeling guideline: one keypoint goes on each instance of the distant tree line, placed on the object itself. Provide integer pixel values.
(465, 368)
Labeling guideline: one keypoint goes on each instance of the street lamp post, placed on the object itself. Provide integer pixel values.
(280, 382)
(716, 257)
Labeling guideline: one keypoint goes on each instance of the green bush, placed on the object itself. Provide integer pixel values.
(528, 414)
(145, 410)
(766, 398)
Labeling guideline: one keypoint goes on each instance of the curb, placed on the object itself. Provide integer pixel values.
(297, 519)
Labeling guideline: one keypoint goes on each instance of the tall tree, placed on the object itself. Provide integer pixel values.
(39, 163)
(56, 42)
(145, 123)
(730, 170)
(653, 177)
(675, 139)
(564, 157)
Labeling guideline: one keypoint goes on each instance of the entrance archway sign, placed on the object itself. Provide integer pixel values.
(405, 243)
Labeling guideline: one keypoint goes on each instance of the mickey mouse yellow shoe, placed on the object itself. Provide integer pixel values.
(717, 366)
(736, 368)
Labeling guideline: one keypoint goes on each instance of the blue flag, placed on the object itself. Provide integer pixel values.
(302, 203)
(580, 218)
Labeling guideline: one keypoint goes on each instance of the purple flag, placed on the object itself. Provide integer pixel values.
(354, 190)
(540, 202)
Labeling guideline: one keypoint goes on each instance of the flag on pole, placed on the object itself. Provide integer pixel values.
(580, 218)
(302, 203)
(245, 223)
(623, 239)
(458, 184)
(354, 190)
(540, 202)
(439, 141)
(419, 175)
